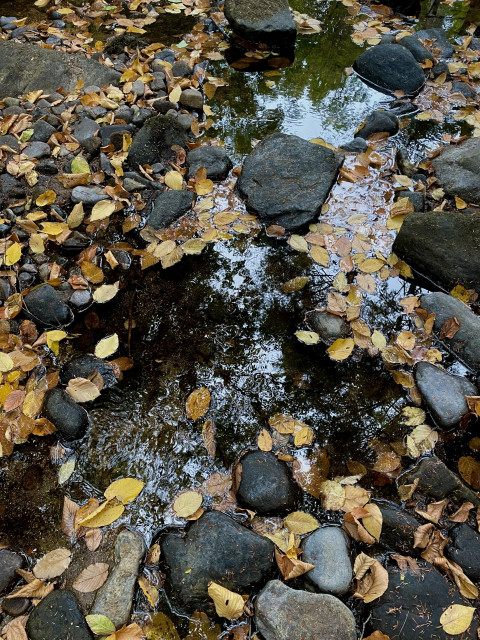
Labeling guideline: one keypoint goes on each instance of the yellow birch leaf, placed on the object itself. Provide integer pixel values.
(456, 618)
(174, 180)
(103, 515)
(107, 346)
(125, 490)
(102, 210)
(265, 442)
(13, 254)
(298, 243)
(6, 363)
(187, 503)
(198, 403)
(106, 292)
(174, 95)
(54, 228)
(308, 337)
(204, 187)
(373, 522)
(341, 348)
(76, 216)
(299, 522)
(47, 197)
(194, 246)
(227, 603)
(36, 243)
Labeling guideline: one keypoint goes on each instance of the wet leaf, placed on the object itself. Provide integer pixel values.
(449, 328)
(105, 292)
(102, 210)
(174, 180)
(377, 635)
(414, 416)
(373, 522)
(208, 436)
(469, 469)
(299, 522)
(354, 497)
(422, 439)
(434, 511)
(298, 243)
(127, 632)
(76, 216)
(100, 624)
(91, 578)
(332, 494)
(341, 348)
(227, 603)
(456, 619)
(107, 346)
(371, 265)
(151, 592)
(455, 573)
(372, 578)
(187, 504)
(194, 246)
(296, 284)
(82, 390)
(198, 403)
(162, 628)
(66, 470)
(320, 255)
(125, 490)
(103, 515)
(265, 442)
(6, 363)
(291, 567)
(461, 515)
(52, 564)
(204, 187)
(308, 337)
(13, 254)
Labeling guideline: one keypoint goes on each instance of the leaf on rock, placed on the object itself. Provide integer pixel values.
(456, 619)
(265, 442)
(100, 625)
(341, 348)
(299, 522)
(422, 535)
(291, 567)
(52, 564)
(82, 390)
(227, 603)
(372, 578)
(373, 522)
(434, 511)
(198, 403)
(455, 573)
(125, 490)
(187, 504)
(127, 632)
(377, 635)
(92, 578)
(469, 469)
(461, 515)
(107, 346)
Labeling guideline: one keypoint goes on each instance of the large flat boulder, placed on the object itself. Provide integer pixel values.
(458, 170)
(389, 68)
(285, 180)
(26, 67)
(269, 21)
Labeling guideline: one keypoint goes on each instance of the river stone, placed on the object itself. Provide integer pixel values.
(269, 21)
(328, 326)
(439, 38)
(88, 195)
(37, 150)
(219, 549)
(168, 207)
(286, 180)
(114, 599)
(466, 342)
(378, 122)
(416, 198)
(84, 366)
(389, 68)
(444, 394)
(398, 527)
(416, 48)
(458, 170)
(153, 143)
(9, 563)
(328, 549)
(192, 98)
(44, 304)
(15, 606)
(414, 603)
(69, 418)
(57, 617)
(282, 613)
(436, 480)
(266, 484)
(27, 67)
(465, 550)
(215, 160)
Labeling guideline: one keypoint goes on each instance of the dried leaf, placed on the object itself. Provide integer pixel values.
(127, 632)
(107, 346)
(373, 522)
(208, 437)
(82, 390)
(227, 603)
(91, 578)
(291, 567)
(456, 619)
(372, 578)
(187, 503)
(299, 522)
(469, 469)
(52, 564)
(461, 515)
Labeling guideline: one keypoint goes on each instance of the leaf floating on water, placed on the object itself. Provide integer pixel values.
(308, 337)
(422, 439)
(162, 628)
(106, 513)
(107, 346)
(300, 522)
(194, 246)
(125, 490)
(82, 390)
(415, 416)
(341, 349)
(52, 564)
(208, 436)
(92, 578)
(151, 592)
(106, 292)
(332, 494)
(66, 471)
(320, 255)
(372, 578)
(187, 504)
(456, 619)
(298, 243)
(100, 625)
(227, 603)
(198, 403)
(296, 284)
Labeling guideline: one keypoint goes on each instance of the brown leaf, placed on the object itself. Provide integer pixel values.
(70, 509)
(93, 538)
(130, 632)
(434, 511)
(264, 442)
(198, 403)
(208, 435)
(422, 535)
(291, 567)
(311, 472)
(53, 564)
(455, 573)
(461, 515)
(14, 400)
(355, 529)
(469, 469)
(377, 635)
(406, 562)
(91, 578)
(449, 328)
(371, 578)
(435, 547)
(15, 629)
(35, 589)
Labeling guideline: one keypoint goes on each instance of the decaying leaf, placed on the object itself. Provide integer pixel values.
(187, 503)
(82, 390)
(291, 567)
(91, 578)
(469, 469)
(150, 591)
(456, 619)
(208, 436)
(227, 603)
(461, 515)
(53, 564)
(422, 439)
(371, 577)
(434, 511)
(455, 573)
(198, 403)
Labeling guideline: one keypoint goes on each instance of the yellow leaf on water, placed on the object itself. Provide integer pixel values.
(107, 346)
(194, 246)
(47, 197)
(174, 180)
(128, 632)
(300, 522)
(102, 210)
(371, 265)
(308, 337)
(265, 442)
(320, 255)
(227, 603)
(198, 403)
(151, 592)
(456, 619)
(303, 437)
(187, 503)
(82, 390)
(104, 514)
(379, 339)
(298, 243)
(332, 494)
(106, 292)
(414, 416)
(125, 489)
(370, 586)
(341, 348)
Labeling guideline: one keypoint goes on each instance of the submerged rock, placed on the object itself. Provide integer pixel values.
(266, 485)
(465, 550)
(458, 170)
(286, 180)
(9, 563)
(444, 393)
(389, 68)
(44, 305)
(215, 160)
(153, 143)
(168, 207)
(215, 548)
(328, 549)
(282, 613)
(114, 599)
(84, 366)
(69, 418)
(269, 21)
(58, 617)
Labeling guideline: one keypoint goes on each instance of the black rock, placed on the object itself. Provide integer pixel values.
(44, 304)
(215, 160)
(270, 21)
(465, 550)
(389, 68)
(162, 106)
(85, 133)
(462, 87)
(218, 549)
(415, 197)
(58, 617)
(107, 132)
(168, 207)
(414, 603)
(153, 143)
(84, 366)
(358, 145)
(286, 180)
(378, 122)
(458, 170)
(15, 606)
(439, 40)
(69, 418)
(9, 563)
(181, 69)
(444, 393)
(416, 48)
(398, 527)
(266, 485)
(328, 325)
(439, 68)
(42, 131)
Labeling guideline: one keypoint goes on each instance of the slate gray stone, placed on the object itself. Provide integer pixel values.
(458, 170)
(45, 305)
(357, 145)
(9, 141)
(282, 613)
(192, 98)
(9, 563)
(42, 131)
(15, 606)
(86, 365)
(328, 326)
(415, 197)
(286, 180)
(115, 598)
(444, 394)
(37, 149)
(465, 550)
(379, 122)
(215, 160)
(328, 549)
(153, 143)
(462, 87)
(85, 133)
(27, 67)
(88, 195)
(269, 21)
(416, 48)
(439, 38)
(168, 207)
(219, 549)
(466, 342)
(398, 527)
(69, 418)
(58, 617)
(389, 68)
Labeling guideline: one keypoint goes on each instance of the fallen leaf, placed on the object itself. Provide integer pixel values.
(227, 603)
(265, 442)
(469, 469)
(308, 337)
(456, 619)
(174, 180)
(105, 292)
(299, 522)
(372, 578)
(102, 210)
(150, 591)
(91, 578)
(107, 346)
(66, 470)
(100, 625)
(125, 490)
(291, 567)
(198, 403)
(373, 522)
(187, 503)
(341, 348)
(422, 439)
(104, 514)
(332, 494)
(127, 632)
(82, 390)
(93, 538)
(52, 564)
(461, 515)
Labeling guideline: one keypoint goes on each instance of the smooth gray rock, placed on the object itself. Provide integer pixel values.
(439, 39)
(9, 563)
(27, 67)
(269, 21)
(192, 98)
(398, 527)
(114, 599)
(444, 394)
(357, 145)
(328, 326)
(80, 298)
(462, 87)
(85, 366)
(465, 550)
(416, 48)
(44, 304)
(389, 68)
(458, 170)
(168, 207)
(69, 418)
(415, 197)
(37, 150)
(9, 141)
(328, 549)
(282, 613)
(466, 342)
(378, 122)
(42, 131)
(88, 195)
(286, 180)
(153, 143)
(58, 617)
(215, 160)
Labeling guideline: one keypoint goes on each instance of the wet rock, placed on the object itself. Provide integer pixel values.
(168, 207)
(286, 180)
(328, 326)
(282, 613)
(44, 304)
(215, 160)
(215, 548)
(416, 48)
(439, 68)
(270, 21)
(378, 122)
(443, 246)
(88, 195)
(114, 599)
(462, 87)
(358, 145)
(389, 68)
(415, 197)
(37, 150)
(328, 549)
(414, 603)
(69, 418)
(27, 67)
(444, 394)
(465, 550)
(192, 98)
(113, 133)
(58, 617)
(398, 527)
(80, 298)
(266, 485)
(42, 131)
(9, 563)
(181, 69)
(439, 41)
(466, 342)
(153, 143)
(84, 366)
(458, 170)
(117, 44)
(15, 606)
(436, 480)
